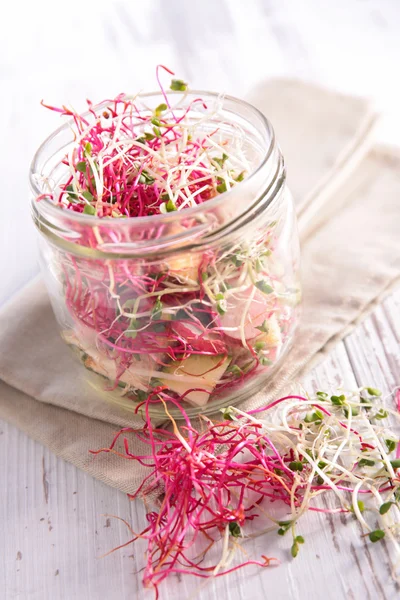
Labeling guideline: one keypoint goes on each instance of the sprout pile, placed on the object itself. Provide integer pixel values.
(132, 162)
(268, 466)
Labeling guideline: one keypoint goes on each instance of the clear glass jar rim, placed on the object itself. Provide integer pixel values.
(46, 207)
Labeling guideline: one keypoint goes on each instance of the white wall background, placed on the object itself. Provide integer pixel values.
(65, 51)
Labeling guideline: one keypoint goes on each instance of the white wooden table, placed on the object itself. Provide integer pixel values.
(51, 526)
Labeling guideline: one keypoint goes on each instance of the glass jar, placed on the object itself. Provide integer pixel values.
(196, 307)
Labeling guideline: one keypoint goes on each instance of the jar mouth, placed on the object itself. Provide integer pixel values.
(60, 221)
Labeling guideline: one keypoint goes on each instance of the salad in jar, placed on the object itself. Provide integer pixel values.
(169, 324)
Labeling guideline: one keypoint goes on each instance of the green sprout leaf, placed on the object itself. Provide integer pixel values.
(72, 197)
(170, 206)
(157, 309)
(338, 400)
(236, 260)
(227, 413)
(381, 414)
(264, 287)
(259, 346)
(258, 265)
(295, 546)
(221, 187)
(366, 462)
(146, 137)
(376, 535)
(89, 210)
(373, 391)
(81, 166)
(221, 161)
(178, 85)
(141, 395)
(88, 196)
(385, 507)
(361, 506)
(131, 331)
(71, 191)
(296, 465)
(160, 109)
(322, 395)
(314, 417)
(264, 361)
(155, 382)
(225, 286)
(222, 306)
(308, 418)
(235, 370)
(264, 327)
(395, 463)
(240, 177)
(354, 411)
(234, 529)
(146, 178)
(391, 445)
(283, 527)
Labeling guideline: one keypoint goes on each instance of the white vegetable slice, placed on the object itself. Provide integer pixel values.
(185, 267)
(196, 371)
(273, 337)
(101, 364)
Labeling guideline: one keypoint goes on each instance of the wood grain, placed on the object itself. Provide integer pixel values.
(52, 529)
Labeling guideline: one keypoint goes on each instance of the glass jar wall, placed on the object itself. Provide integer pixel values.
(195, 307)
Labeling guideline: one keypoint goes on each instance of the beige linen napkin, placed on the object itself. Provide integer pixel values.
(348, 261)
(323, 136)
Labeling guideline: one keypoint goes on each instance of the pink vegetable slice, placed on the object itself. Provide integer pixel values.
(258, 311)
(199, 339)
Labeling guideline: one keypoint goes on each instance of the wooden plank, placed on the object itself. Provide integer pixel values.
(52, 526)
(54, 530)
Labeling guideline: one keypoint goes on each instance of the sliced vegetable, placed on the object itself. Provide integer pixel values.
(196, 377)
